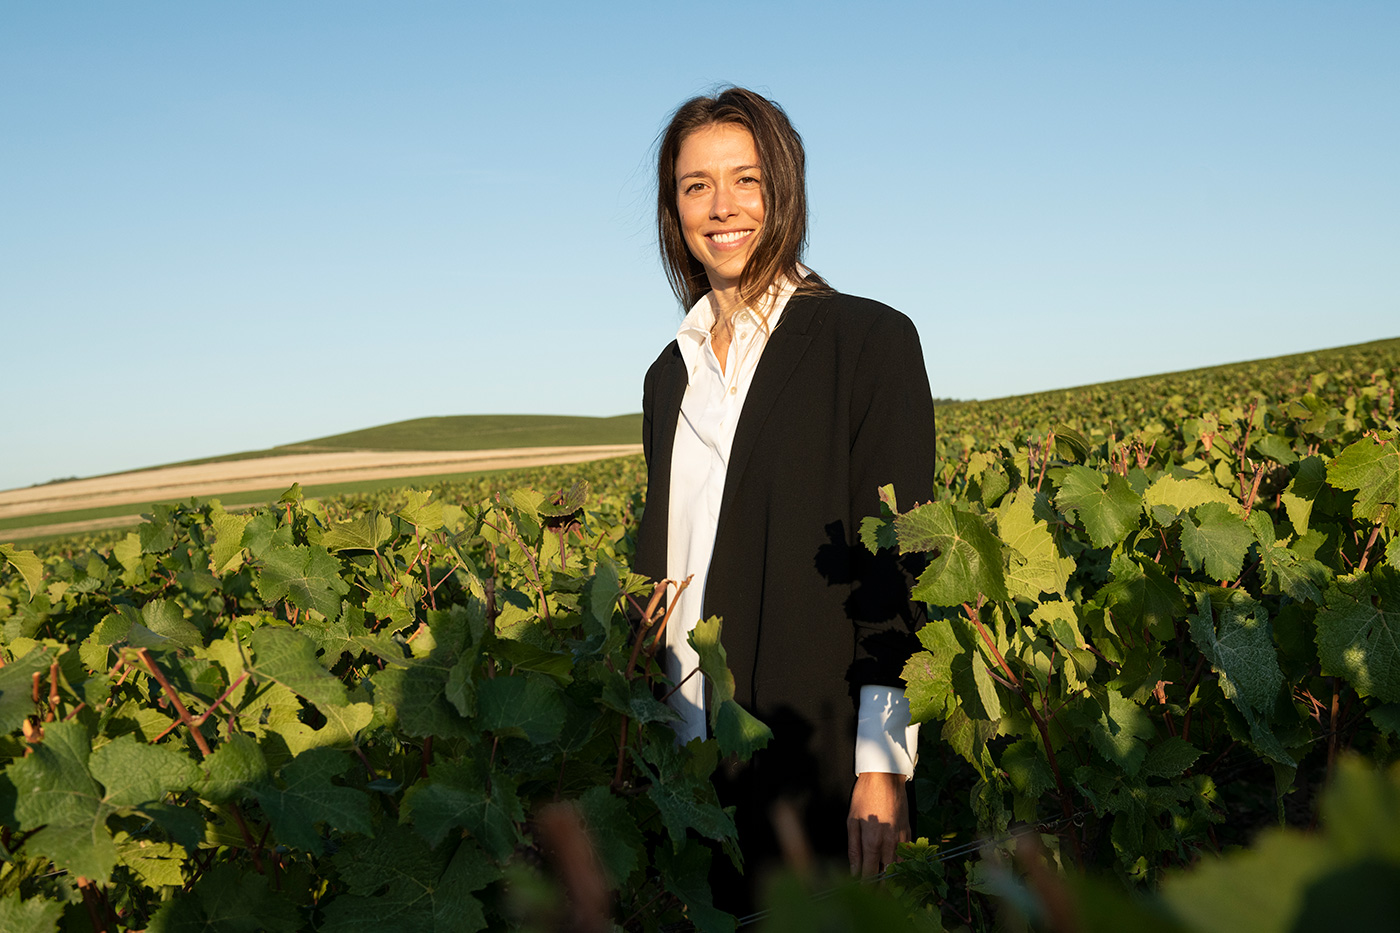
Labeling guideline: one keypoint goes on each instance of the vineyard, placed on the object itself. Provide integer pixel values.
(1160, 689)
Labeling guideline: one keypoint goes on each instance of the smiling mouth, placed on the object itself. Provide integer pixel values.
(729, 238)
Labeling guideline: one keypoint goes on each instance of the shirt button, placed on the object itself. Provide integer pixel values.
(733, 389)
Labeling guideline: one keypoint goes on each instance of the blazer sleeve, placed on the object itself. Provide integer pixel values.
(648, 399)
(892, 440)
(650, 557)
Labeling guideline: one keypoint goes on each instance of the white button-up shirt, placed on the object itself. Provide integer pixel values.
(714, 399)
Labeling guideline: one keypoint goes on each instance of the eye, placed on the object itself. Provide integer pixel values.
(748, 180)
(692, 187)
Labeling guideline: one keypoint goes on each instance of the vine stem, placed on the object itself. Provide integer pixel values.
(621, 752)
(511, 533)
(1190, 688)
(1045, 458)
(427, 549)
(254, 850)
(369, 768)
(661, 628)
(1243, 573)
(657, 592)
(204, 750)
(1040, 725)
(91, 902)
(1366, 552)
(672, 691)
(636, 913)
(53, 692)
(1253, 490)
(1221, 757)
(1332, 733)
(200, 721)
(489, 585)
(184, 714)
(1248, 427)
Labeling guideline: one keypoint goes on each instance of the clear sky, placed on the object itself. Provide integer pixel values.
(228, 226)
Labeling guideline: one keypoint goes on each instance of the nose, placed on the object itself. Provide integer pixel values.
(722, 204)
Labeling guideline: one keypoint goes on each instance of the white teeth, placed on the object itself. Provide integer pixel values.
(734, 237)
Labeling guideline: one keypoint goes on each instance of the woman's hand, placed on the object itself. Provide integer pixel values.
(878, 820)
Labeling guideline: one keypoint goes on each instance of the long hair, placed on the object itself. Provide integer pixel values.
(783, 184)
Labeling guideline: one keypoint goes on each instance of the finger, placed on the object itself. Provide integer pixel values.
(888, 842)
(902, 836)
(871, 845)
(853, 830)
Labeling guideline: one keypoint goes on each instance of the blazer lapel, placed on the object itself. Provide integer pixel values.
(786, 346)
(669, 389)
(670, 392)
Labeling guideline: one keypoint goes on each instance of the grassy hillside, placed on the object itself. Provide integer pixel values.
(483, 432)
(1128, 405)
(457, 432)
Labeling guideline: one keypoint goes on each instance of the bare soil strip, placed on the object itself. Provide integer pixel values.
(209, 479)
(69, 528)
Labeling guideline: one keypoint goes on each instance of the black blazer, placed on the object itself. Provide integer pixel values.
(839, 406)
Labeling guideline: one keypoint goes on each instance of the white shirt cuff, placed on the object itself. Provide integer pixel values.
(885, 739)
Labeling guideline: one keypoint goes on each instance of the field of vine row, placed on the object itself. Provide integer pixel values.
(1164, 617)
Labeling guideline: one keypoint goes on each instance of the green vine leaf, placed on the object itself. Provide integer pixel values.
(520, 705)
(365, 533)
(1298, 499)
(1036, 564)
(30, 568)
(565, 503)
(285, 656)
(1105, 504)
(1371, 467)
(466, 793)
(420, 512)
(1170, 757)
(1358, 634)
(397, 883)
(1142, 594)
(305, 796)
(1181, 495)
(228, 899)
(35, 915)
(227, 553)
(1215, 540)
(1241, 650)
(16, 679)
(613, 831)
(234, 770)
(309, 577)
(57, 795)
(967, 559)
(1122, 732)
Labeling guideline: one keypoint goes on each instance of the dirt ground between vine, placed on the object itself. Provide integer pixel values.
(309, 469)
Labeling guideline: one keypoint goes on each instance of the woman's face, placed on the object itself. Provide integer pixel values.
(720, 201)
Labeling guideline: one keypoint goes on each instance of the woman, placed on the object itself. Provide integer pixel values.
(769, 425)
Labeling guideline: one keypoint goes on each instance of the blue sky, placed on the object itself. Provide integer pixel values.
(229, 226)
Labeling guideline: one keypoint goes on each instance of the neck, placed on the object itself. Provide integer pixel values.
(726, 302)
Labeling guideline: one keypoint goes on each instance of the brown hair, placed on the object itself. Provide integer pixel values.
(783, 184)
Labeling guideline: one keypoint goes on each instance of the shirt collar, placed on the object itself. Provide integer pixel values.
(696, 327)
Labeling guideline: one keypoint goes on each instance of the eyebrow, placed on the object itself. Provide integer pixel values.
(700, 173)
